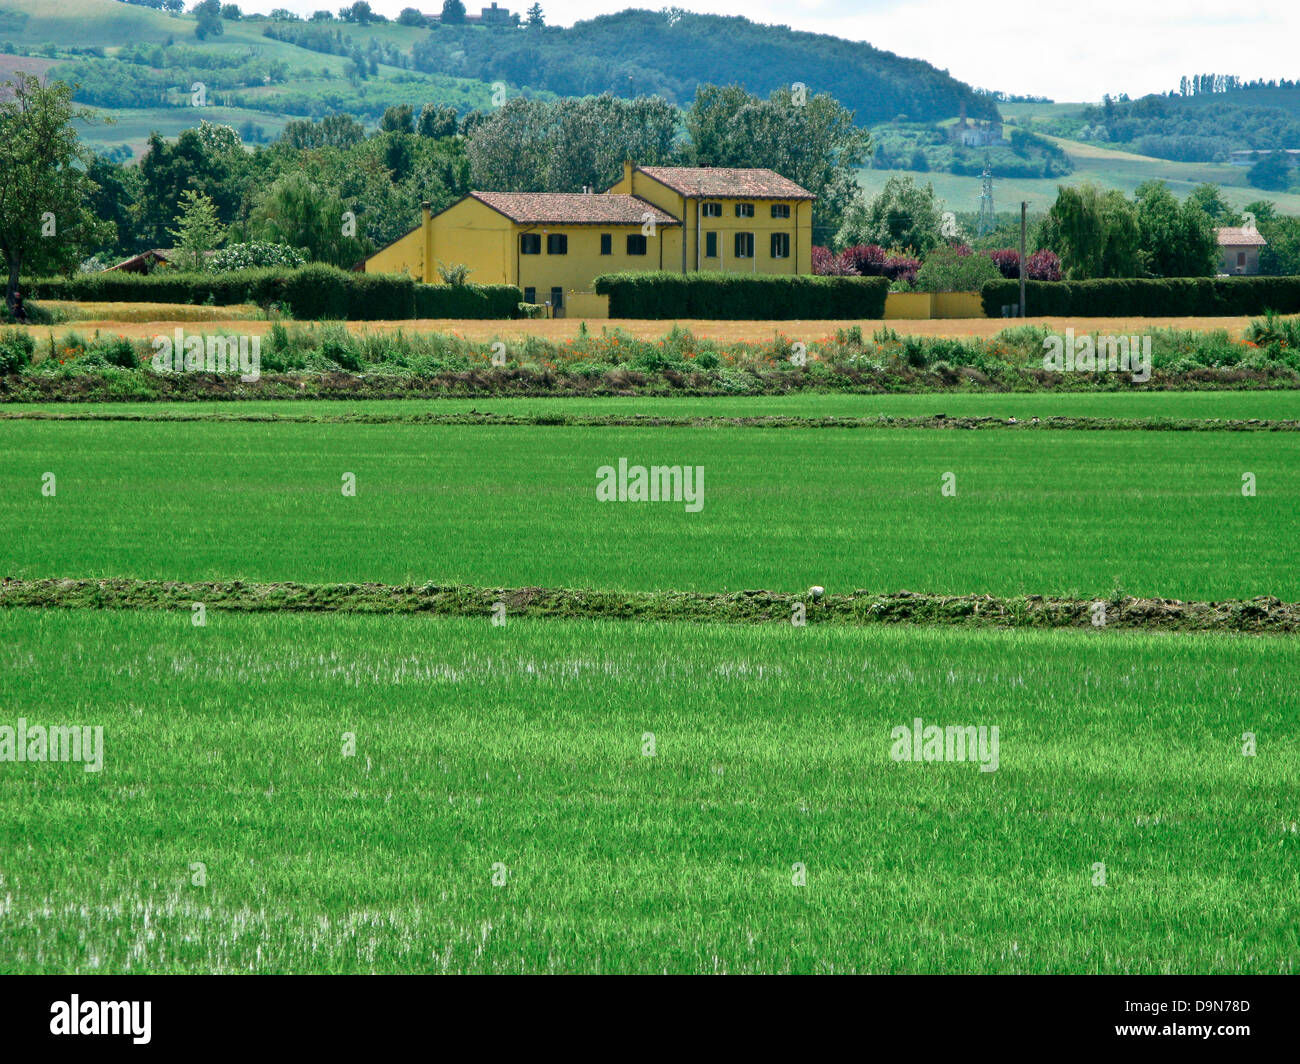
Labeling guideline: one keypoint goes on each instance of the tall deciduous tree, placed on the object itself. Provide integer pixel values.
(332, 131)
(209, 159)
(207, 14)
(297, 212)
(904, 215)
(1209, 198)
(437, 121)
(44, 188)
(1280, 257)
(812, 140)
(1177, 239)
(398, 119)
(116, 190)
(1272, 172)
(532, 145)
(1095, 233)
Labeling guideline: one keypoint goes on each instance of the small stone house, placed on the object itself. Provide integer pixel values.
(1239, 250)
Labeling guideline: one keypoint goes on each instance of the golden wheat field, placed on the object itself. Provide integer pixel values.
(142, 321)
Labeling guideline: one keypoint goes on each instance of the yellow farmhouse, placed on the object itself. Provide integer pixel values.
(553, 244)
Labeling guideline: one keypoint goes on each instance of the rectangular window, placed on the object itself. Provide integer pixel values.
(557, 244)
(710, 245)
(636, 244)
(530, 243)
(606, 244)
(744, 245)
(744, 210)
(530, 295)
(557, 298)
(780, 210)
(1241, 258)
(780, 245)
(712, 210)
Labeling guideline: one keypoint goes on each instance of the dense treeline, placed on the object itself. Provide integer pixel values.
(316, 37)
(113, 83)
(337, 191)
(1199, 129)
(672, 53)
(327, 188)
(1213, 84)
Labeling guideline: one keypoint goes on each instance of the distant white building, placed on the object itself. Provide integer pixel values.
(1250, 156)
(976, 134)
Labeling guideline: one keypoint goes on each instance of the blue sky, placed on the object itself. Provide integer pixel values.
(1068, 51)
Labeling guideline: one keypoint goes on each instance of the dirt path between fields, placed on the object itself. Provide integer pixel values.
(1261, 615)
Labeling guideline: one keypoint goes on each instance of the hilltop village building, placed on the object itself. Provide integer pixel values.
(552, 245)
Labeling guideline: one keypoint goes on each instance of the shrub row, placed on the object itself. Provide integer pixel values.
(1151, 297)
(732, 297)
(309, 293)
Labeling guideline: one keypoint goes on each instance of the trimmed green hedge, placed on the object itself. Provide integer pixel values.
(310, 293)
(1147, 297)
(738, 297)
(467, 301)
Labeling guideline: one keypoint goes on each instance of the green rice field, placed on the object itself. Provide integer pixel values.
(770, 831)
(334, 792)
(1045, 512)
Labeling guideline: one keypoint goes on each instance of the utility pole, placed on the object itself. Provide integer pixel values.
(988, 217)
(1024, 206)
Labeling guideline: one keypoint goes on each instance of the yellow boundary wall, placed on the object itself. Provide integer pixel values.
(586, 305)
(921, 305)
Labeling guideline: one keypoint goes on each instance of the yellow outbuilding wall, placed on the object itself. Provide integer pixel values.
(907, 305)
(587, 305)
(920, 305)
(470, 233)
(957, 305)
(405, 255)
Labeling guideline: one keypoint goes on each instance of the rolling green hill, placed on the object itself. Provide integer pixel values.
(137, 64)
(85, 23)
(144, 62)
(1099, 165)
(283, 80)
(670, 53)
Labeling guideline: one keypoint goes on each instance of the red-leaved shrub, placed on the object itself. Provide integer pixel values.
(1043, 266)
(1007, 260)
(826, 263)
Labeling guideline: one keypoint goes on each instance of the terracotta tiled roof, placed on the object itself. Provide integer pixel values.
(574, 208)
(725, 182)
(1233, 236)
